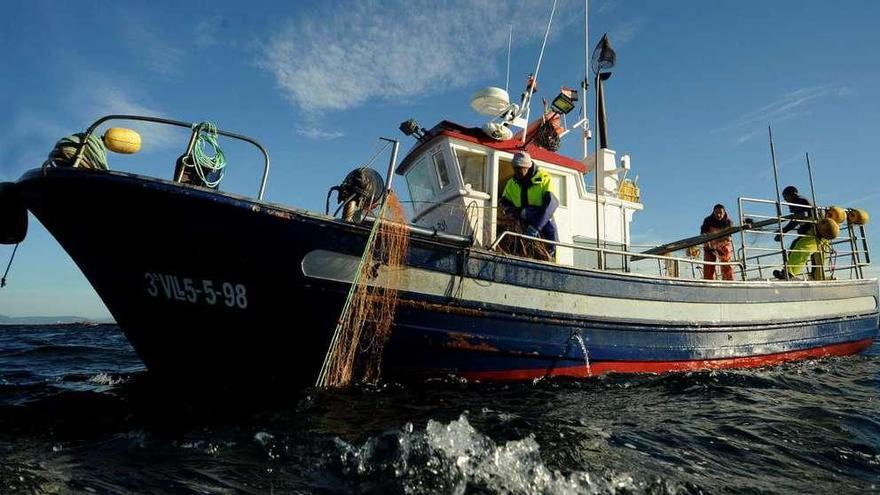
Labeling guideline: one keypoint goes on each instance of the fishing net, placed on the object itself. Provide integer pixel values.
(517, 246)
(363, 329)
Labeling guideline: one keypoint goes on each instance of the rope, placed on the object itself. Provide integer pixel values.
(376, 154)
(94, 153)
(3, 280)
(206, 164)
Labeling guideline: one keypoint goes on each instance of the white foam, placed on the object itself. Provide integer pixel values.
(456, 458)
(106, 379)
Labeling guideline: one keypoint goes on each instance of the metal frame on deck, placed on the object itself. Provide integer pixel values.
(850, 234)
(751, 259)
(192, 141)
(602, 253)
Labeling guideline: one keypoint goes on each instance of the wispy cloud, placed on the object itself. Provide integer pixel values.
(859, 201)
(791, 105)
(319, 134)
(161, 57)
(208, 31)
(107, 98)
(29, 132)
(396, 49)
(624, 32)
(604, 7)
(747, 136)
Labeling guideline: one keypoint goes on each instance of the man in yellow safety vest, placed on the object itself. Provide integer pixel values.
(529, 198)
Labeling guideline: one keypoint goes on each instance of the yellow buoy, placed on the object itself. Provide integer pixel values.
(122, 140)
(828, 228)
(836, 213)
(857, 216)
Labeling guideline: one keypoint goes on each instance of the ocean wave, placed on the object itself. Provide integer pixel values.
(108, 379)
(456, 458)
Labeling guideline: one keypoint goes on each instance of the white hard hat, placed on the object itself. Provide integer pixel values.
(522, 159)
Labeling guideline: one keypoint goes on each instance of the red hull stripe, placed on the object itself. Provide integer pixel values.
(599, 368)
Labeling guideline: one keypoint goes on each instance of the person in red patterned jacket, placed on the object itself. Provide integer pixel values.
(720, 249)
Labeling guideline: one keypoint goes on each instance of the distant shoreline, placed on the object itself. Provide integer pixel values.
(51, 321)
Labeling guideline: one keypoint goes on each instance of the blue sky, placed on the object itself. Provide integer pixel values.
(696, 85)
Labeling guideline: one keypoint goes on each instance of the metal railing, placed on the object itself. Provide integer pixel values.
(192, 140)
(671, 267)
(846, 253)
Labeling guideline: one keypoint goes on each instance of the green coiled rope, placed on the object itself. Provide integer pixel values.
(205, 163)
(94, 155)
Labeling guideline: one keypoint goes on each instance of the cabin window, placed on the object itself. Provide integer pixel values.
(440, 167)
(473, 168)
(422, 182)
(558, 186)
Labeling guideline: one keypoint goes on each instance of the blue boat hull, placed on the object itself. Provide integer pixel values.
(212, 286)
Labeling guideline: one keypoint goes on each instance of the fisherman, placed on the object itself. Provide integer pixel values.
(528, 198)
(719, 249)
(803, 247)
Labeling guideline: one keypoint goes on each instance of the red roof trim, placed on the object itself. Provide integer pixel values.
(475, 135)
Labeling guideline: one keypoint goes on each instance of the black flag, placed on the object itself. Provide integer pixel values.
(603, 55)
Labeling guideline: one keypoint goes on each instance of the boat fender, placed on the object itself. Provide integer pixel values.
(828, 228)
(836, 213)
(13, 214)
(122, 140)
(857, 216)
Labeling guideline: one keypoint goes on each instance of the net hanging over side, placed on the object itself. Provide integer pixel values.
(363, 328)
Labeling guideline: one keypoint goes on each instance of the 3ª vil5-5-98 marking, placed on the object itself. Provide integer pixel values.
(196, 291)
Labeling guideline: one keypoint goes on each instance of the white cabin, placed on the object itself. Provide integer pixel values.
(456, 175)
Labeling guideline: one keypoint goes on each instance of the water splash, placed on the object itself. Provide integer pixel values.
(580, 340)
(456, 458)
(107, 379)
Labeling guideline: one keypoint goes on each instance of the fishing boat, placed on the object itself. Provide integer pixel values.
(469, 305)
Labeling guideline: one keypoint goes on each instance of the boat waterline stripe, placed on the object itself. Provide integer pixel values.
(329, 265)
(601, 367)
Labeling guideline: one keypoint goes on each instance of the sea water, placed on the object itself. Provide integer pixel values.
(78, 414)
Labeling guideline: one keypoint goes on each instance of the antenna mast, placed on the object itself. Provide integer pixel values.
(509, 41)
(534, 83)
(585, 84)
(778, 201)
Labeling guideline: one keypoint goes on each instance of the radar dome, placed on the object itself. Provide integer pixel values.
(490, 101)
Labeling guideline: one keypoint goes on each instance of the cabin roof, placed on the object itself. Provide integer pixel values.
(476, 135)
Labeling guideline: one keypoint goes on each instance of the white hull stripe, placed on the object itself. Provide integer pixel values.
(329, 265)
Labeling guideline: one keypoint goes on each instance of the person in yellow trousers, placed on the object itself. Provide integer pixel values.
(807, 243)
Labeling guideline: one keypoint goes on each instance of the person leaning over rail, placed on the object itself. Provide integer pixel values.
(529, 198)
(803, 247)
(720, 249)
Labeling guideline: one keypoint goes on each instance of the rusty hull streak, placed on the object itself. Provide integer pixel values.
(458, 340)
(458, 310)
(441, 308)
(279, 213)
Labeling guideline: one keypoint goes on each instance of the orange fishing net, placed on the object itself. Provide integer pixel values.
(365, 323)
